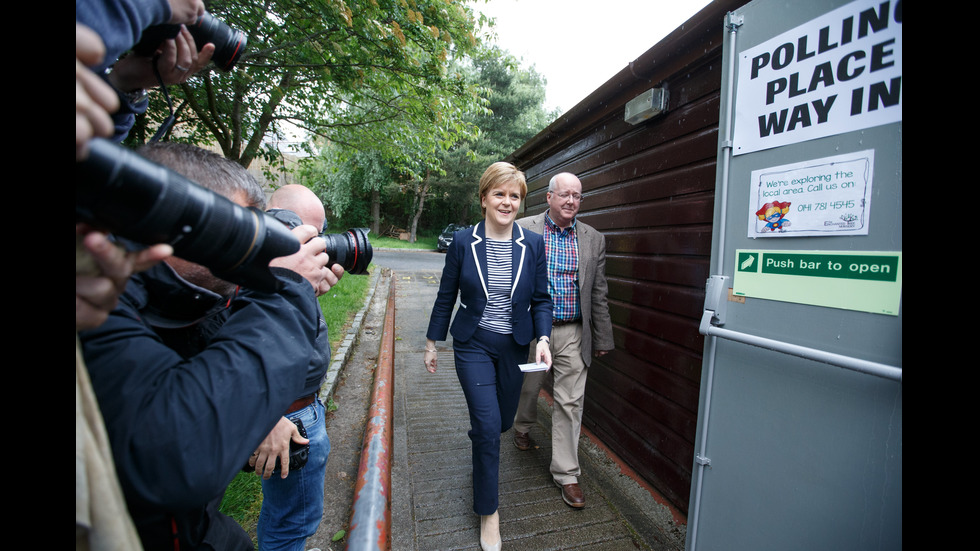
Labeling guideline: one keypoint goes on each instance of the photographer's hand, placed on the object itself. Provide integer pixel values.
(101, 273)
(94, 99)
(186, 11)
(276, 445)
(311, 260)
(331, 278)
(178, 59)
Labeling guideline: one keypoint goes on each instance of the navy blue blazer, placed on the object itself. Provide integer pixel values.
(465, 273)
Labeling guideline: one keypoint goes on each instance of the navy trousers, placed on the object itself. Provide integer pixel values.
(487, 368)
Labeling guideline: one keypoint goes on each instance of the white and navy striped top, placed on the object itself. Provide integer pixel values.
(496, 316)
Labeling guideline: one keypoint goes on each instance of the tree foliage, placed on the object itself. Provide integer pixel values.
(350, 184)
(365, 74)
(516, 110)
(348, 180)
(516, 114)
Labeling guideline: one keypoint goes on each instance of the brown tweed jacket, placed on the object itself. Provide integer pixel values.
(596, 326)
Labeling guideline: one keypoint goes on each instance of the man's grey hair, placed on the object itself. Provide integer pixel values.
(210, 170)
(552, 183)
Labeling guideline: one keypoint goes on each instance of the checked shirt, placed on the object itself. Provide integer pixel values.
(561, 250)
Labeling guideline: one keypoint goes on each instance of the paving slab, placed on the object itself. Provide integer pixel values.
(432, 475)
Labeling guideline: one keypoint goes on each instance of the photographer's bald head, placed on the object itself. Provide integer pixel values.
(300, 200)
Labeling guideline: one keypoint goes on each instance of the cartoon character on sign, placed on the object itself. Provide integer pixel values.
(773, 213)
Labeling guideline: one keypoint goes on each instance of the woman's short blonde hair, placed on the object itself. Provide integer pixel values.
(500, 174)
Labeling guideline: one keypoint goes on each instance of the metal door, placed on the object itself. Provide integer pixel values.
(799, 440)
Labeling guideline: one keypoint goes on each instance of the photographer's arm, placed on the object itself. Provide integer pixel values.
(117, 25)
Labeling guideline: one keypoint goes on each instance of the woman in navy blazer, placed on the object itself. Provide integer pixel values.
(499, 271)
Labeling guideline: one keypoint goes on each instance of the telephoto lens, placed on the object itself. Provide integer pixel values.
(132, 197)
(229, 44)
(350, 249)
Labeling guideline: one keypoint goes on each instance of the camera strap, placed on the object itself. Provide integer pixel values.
(169, 121)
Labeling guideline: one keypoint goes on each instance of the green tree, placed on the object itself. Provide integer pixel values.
(516, 110)
(366, 74)
(349, 182)
(516, 114)
(445, 185)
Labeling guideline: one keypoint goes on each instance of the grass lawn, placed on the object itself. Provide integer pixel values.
(421, 242)
(243, 498)
(243, 501)
(341, 303)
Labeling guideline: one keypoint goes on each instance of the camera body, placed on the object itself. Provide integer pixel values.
(350, 249)
(299, 454)
(228, 42)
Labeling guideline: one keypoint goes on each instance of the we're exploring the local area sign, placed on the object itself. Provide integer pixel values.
(837, 73)
(829, 196)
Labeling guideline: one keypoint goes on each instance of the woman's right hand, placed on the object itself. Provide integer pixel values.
(429, 359)
(542, 352)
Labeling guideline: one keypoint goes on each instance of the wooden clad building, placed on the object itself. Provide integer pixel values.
(649, 189)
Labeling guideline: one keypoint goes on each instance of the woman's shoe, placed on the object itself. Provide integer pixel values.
(490, 530)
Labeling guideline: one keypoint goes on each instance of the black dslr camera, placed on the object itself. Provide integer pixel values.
(228, 42)
(135, 198)
(350, 249)
(299, 454)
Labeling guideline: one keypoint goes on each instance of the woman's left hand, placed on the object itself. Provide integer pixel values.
(429, 359)
(542, 353)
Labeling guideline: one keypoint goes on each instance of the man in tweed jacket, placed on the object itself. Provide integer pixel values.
(577, 282)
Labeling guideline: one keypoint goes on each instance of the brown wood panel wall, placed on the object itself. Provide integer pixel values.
(650, 190)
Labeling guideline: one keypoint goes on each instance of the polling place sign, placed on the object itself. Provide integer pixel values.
(837, 73)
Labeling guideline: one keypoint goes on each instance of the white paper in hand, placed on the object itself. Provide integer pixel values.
(533, 367)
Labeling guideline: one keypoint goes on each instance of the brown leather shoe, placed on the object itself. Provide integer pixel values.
(572, 494)
(522, 440)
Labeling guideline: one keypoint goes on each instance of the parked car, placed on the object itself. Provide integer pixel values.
(446, 237)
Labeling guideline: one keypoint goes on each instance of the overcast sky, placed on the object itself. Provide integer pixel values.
(578, 45)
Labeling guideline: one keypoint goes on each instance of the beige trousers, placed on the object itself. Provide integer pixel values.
(570, 373)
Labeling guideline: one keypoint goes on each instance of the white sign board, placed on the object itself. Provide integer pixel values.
(829, 196)
(837, 73)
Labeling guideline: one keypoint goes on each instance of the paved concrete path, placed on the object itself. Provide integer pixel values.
(431, 476)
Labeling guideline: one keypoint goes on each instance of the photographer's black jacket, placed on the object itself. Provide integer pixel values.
(185, 407)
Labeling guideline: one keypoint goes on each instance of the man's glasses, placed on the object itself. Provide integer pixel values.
(564, 196)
